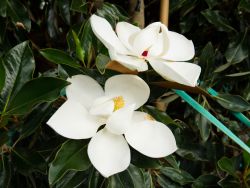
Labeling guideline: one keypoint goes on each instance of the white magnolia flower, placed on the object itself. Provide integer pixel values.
(89, 106)
(163, 49)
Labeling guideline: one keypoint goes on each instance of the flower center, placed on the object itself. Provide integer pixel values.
(145, 53)
(118, 103)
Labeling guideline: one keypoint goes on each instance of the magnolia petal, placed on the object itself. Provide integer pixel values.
(132, 88)
(131, 62)
(73, 121)
(181, 72)
(150, 137)
(102, 106)
(160, 47)
(105, 33)
(179, 49)
(119, 121)
(144, 39)
(83, 89)
(125, 32)
(109, 153)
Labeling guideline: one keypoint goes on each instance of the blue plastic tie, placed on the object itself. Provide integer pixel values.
(238, 115)
(211, 118)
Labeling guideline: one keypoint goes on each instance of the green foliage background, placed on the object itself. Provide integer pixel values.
(44, 42)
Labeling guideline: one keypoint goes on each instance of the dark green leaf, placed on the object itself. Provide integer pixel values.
(229, 165)
(43, 89)
(5, 172)
(237, 50)
(19, 66)
(148, 180)
(71, 156)
(72, 179)
(172, 161)
(95, 179)
(132, 178)
(18, 13)
(34, 119)
(206, 181)
(220, 22)
(207, 59)
(232, 102)
(177, 175)
(203, 125)
(211, 3)
(246, 156)
(79, 6)
(59, 57)
(101, 62)
(2, 75)
(3, 138)
(29, 161)
(166, 183)
(143, 161)
(229, 182)
(244, 5)
(64, 10)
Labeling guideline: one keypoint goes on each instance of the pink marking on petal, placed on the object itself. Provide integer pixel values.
(145, 53)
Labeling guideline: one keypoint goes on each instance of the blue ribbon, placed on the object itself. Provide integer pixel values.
(211, 118)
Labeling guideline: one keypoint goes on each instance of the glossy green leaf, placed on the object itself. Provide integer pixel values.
(27, 161)
(229, 165)
(143, 161)
(148, 180)
(95, 179)
(206, 181)
(18, 13)
(5, 172)
(71, 156)
(59, 57)
(221, 23)
(34, 119)
(232, 102)
(172, 161)
(79, 6)
(2, 75)
(237, 50)
(206, 61)
(132, 178)
(166, 183)
(19, 65)
(177, 175)
(72, 179)
(204, 126)
(43, 89)
(79, 50)
(101, 62)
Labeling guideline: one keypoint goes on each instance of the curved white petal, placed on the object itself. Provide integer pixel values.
(131, 62)
(119, 121)
(83, 89)
(72, 120)
(125, 32)
(109, 153)
(179, 49)
(102, 106)
(105, 33)
(150, 137)
(144, 39)
(132, 88)
(160, 47)
(181, 72)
